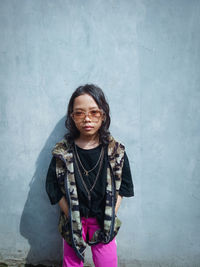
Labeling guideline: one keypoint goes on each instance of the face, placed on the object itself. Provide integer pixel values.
(92, 119)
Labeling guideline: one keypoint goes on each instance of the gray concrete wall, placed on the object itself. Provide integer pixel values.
(145, 55)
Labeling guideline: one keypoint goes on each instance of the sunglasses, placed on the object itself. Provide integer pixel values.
(94, 115)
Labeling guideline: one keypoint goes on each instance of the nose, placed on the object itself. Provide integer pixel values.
(87, 118)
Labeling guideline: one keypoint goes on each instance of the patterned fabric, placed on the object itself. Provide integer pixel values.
(71, 227)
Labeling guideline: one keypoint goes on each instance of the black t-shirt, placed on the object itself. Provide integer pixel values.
(89, 157)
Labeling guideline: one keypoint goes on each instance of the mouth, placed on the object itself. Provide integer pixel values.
(87, 128)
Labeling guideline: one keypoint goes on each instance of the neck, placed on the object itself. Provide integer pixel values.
(87, 142)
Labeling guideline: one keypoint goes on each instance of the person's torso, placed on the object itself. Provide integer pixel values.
(93, 183)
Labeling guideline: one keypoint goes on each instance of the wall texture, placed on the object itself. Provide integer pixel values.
(145, 55)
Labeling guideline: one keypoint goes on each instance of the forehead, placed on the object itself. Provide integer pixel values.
(84, 102)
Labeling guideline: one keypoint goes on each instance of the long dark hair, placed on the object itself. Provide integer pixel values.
(99, 97)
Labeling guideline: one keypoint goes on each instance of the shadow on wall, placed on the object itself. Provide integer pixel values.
(39, 221)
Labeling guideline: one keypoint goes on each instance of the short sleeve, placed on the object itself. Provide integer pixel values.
(52, 187)
(126, 188)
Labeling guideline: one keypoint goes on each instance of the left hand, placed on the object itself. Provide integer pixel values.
(119, 200)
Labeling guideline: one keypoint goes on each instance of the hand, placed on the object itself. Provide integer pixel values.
(118, 203)
(64, 206)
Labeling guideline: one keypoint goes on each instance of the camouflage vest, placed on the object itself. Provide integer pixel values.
(71, 227)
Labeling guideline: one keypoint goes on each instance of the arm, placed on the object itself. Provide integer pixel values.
(119, 199)
(64, 206)
(52, 187)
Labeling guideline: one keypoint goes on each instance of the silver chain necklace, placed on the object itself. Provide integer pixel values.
(97, 176)
(86, 172)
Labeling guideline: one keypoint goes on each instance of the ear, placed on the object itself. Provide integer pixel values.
(104, 117)
(72, 117)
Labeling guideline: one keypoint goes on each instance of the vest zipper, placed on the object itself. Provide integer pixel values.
(113, 204)
(69, 203)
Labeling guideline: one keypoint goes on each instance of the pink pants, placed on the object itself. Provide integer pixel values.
(104, 255)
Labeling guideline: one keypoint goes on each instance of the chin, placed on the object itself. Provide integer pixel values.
(89, 133)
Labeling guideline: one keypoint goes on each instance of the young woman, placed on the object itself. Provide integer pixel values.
(88, 175)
